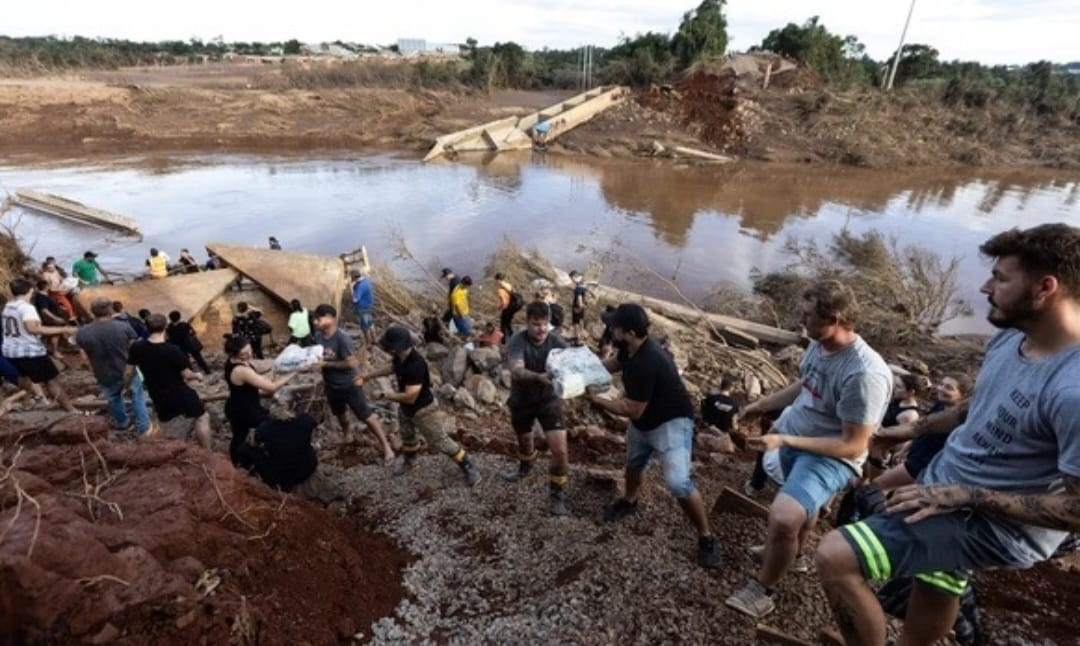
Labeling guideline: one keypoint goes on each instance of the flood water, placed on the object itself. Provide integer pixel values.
(704, 225)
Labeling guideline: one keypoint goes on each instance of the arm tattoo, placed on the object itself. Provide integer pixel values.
(1052, 511)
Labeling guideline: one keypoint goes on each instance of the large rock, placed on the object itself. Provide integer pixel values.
(505, 378)
(447, 391)
(436, 351)
(486, 392)
(455, 365)
(472, 382)
(485, 359)
(715, 443)
(462, 399)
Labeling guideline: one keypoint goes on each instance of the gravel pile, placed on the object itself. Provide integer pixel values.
(493, 567)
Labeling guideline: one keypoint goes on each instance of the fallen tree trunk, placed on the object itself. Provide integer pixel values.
(742, 332)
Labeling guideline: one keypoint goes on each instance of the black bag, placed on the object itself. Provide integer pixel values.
(516, 302)
(859, 503)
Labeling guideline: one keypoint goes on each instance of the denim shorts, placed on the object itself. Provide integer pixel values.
(367, 319)
(812, 479)
(672, 441)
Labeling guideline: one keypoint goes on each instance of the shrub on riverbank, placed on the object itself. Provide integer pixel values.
(905, 293)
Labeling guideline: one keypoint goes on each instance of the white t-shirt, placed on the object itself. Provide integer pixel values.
(20, 343)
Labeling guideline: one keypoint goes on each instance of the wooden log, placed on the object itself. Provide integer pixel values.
(739, 328)
(702, 155)
(772, 635)
(730, 500)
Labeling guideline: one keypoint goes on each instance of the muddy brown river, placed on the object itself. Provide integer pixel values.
(704, 225)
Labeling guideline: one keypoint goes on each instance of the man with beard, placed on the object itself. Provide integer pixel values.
(533, 398)
(661, 423)
(1005, 490)
(822, 436)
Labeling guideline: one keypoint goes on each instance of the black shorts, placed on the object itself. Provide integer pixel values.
(37, 369)
(187, 405)
(352, 398)
(939, 551)
(577, 316)
(549, 413)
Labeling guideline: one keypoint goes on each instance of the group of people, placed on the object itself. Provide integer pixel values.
(988, 477)
(457, 314)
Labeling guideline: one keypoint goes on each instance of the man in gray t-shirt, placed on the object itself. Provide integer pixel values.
(342, 381)
(105, 342)
(1005, 489)
(822, 435)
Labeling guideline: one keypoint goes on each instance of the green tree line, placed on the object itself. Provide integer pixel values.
(641, 60)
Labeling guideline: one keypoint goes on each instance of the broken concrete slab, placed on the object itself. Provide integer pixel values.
(286, 275)
(189, 294)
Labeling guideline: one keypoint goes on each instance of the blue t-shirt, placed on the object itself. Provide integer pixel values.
(364, 294)
(853, 385)
(1021, 434)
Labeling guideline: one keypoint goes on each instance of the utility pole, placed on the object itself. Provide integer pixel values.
(899, 48)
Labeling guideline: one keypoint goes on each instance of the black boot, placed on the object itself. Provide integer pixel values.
(472, 476)
(557, 498)
(524, 469)
(405, 464)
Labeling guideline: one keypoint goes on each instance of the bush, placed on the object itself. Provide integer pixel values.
(904, 293)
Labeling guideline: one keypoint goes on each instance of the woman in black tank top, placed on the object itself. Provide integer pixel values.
(904, 407)
(243, 409)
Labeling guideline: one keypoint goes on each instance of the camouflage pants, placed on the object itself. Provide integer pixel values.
(436, 427)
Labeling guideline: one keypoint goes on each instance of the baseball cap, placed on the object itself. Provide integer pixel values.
(446, 271)
(324, 310)
(355, 273)
(631, 317)
(89, 254)
(395, 339)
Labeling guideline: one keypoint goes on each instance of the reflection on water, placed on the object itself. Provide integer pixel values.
(704, 225)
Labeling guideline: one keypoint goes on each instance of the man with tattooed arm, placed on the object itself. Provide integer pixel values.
(1005, 490)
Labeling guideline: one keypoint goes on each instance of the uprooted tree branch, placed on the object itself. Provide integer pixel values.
(904, 292)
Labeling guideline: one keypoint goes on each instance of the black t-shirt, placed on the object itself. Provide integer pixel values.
(579, 297)
(182, 336)
(162, 366)
(410, 372)
(289, 458)
(651, 376)
(719, 410)
(433, 329)
(45, 303)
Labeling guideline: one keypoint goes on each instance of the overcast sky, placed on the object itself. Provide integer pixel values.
(990, 31)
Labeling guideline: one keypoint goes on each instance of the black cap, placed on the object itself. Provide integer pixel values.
(446, 271)
(631, 317)
(89, 254)
(395, 339)
(324, 310)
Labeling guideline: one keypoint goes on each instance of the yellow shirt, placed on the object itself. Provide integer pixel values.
(459, 301)
(159, 265)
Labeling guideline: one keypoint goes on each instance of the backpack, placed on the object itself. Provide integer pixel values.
(516, 302)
